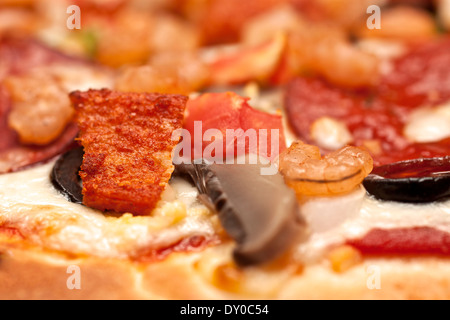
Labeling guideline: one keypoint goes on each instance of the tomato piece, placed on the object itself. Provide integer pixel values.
(232, 127)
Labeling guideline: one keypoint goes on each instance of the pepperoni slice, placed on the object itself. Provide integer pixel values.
(366, 117)
(415, 151)
(421, 77)
(404, 241)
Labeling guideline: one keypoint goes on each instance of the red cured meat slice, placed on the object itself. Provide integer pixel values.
(421, 77)
(366, 117)
(404, 241)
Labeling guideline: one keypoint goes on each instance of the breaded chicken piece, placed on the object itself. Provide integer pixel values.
(127, 143)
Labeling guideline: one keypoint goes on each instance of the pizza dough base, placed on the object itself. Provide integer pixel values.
(30, 273)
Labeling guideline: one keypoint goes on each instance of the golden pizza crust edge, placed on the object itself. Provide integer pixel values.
(33, 274)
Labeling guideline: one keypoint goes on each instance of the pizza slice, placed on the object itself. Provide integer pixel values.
(95, 203)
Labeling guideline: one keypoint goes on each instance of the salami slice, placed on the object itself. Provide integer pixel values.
(368, 118)
(420, 78)
(404, 241)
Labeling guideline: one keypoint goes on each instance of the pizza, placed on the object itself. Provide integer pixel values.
(225, 150)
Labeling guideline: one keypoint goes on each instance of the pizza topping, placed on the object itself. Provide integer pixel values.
(428, 124)
(65, 175)
(420, 180)
(221, 21)
(10, 232)
(189, 244)
(382, 118)
(166, 73)
(330, 134)
(255, 63)
(326, 52)
(373, 121)
(224, 125)
(401, 241)
(40, 109)
(339, 172)
(403, 24)
(46, 218)
(366, 117)
(325, 213)
(14, 156)
(127, 140)
(413, 151)
(421, 77)
(258, 211)
(18, 55)
(35, 111)
(343, 258)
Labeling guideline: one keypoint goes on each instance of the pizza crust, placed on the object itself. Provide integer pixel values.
(424, 278)
(30, 273)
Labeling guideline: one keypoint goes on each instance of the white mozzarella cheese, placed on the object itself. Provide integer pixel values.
(29, 202)
(330, 133)
(428, 124)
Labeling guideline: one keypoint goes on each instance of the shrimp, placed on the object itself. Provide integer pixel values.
(165, 73)
(314, 48)
(17, 20)
(41, 108)
(344, 64)
(337, 173)
(403, 23)
(322, 50)
(342, 13)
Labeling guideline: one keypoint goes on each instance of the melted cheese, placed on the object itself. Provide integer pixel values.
(30, 203)
(330, 133)
(369, 214)
(429, 124)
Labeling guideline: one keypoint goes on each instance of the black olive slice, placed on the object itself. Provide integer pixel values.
(65, 177)
(259, 212)
(412, 181)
